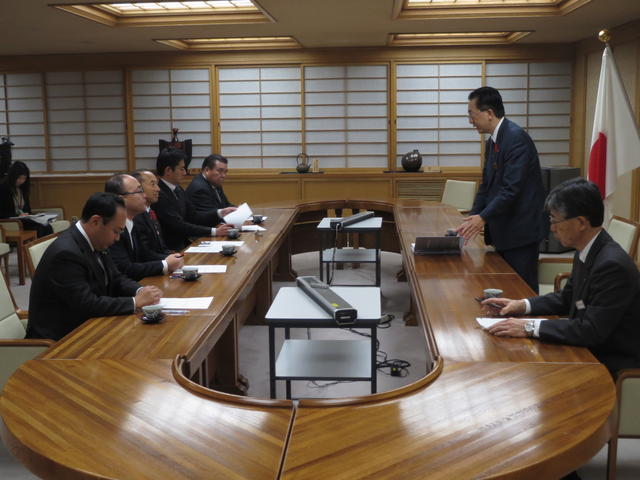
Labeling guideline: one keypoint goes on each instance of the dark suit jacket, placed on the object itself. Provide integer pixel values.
(179, 220)
(204, 198)
(69, 287)
(609, 286)
(150, 235)
(511, 196)
(135, 263)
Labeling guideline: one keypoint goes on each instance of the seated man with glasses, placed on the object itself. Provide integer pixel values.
(76, 278)
(601, 300)
(129, 253)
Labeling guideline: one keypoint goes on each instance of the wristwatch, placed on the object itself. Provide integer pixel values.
(529, 328)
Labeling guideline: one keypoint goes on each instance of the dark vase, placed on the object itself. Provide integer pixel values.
(412, 161)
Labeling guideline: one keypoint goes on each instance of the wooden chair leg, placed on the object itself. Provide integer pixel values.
(612, 457)
(21, 263)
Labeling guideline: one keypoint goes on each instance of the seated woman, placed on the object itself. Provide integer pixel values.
(14, 198)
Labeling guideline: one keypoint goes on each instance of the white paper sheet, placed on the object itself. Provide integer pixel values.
(213, 247)
(238, 217)
(206, 269)
(41, 218)
(488, 322)
(193, 303)
(253, 228)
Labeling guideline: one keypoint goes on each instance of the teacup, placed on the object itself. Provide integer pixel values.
(451, 232)
(228, 249)
(257, 219)
(189, 272)
(492, 293)
(233, 233)
(152, 312)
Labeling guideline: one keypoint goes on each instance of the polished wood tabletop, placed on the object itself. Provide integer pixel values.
(107, 401)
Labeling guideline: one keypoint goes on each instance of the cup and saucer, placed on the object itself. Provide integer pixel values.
(228, 250)
(190, 273)
(152, 314)
(233, 233)
(257, 219)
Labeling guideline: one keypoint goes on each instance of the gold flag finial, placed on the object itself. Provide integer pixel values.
(604, 36)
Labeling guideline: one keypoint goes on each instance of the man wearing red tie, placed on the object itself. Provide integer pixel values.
(147, 222)
(509, 204)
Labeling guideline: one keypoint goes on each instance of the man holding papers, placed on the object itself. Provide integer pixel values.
(601, 300)
(205, 191)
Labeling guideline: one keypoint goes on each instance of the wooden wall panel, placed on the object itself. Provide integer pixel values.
(327, 189)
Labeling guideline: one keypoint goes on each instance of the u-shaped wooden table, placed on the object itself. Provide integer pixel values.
(119, 399)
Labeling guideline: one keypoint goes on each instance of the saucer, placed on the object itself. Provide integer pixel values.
(230, 254)
(191, 279)
(158, 319)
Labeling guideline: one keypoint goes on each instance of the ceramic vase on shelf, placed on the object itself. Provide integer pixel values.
(412, 161)
(302, 163)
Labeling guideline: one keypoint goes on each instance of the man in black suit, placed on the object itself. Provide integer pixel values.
(146, 223)
(509, 203)
(178, 218)
(129, 253)
(602, 296)
(76, 278)
(205, 190)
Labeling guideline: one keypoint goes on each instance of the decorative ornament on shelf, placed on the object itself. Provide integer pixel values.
(412, 161)
(302, 160)
(184, 145)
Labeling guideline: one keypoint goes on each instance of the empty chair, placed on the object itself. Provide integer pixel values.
(459, 194)
(14, 348)
(36, 249)
(628, 393)
(625, 232)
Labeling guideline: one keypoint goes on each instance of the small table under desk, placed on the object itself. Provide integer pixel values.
(348, 255)
(322, 359)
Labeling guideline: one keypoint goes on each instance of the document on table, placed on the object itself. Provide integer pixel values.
(206, 269)
(193, 303)
(238, 216)
(41, 218)
(488, 322)
(213, 247)
(253, 228)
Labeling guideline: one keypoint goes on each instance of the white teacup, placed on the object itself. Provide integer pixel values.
(189, 272)
(152, 312)
(492, 293)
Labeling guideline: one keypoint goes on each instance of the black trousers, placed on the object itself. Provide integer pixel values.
(524, 260)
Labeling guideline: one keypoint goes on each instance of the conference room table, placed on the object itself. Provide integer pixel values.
(120, 399)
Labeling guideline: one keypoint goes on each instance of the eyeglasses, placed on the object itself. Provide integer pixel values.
(140, 190)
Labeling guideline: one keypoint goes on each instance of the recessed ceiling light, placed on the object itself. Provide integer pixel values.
(454, 38)
(232, 43)
(417, 9)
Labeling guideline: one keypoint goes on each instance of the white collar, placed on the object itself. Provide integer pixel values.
(168, 184)
(84, 234)
(494, 135)
(585, 251)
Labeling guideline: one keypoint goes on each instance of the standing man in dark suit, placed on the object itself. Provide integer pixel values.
(146, 223)
(601, 298)
(509, 203)
(205, 190)
(129, 253)
(178, 218)
(76, 278)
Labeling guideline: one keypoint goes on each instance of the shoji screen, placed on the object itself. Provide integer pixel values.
(86, 121)
(260, 120)
(346, 115)
(23, 117)
(537, 96)
(432, 113)
(166, 99)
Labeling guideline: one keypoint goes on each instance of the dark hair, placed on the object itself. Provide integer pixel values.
(577, 197)
(488, 99)
(210, 161)
(169, 157)
(104, 204)
(115, 184)
(16, 169)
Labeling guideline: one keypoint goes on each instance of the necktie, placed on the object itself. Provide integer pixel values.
(100, 261)
(217, 195)
(153, 215)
